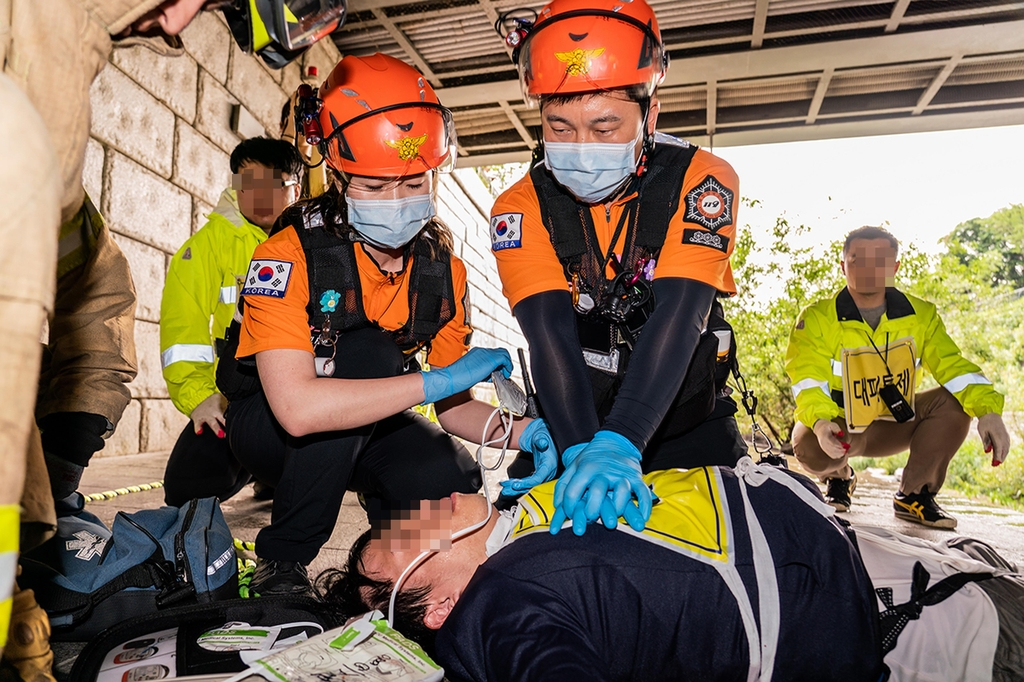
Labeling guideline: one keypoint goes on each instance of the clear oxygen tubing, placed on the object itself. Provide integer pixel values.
(506, 437)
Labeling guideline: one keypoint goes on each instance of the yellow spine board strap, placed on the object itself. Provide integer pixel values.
(690, 516)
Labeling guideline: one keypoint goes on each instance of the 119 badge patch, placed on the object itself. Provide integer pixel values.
(709, 204)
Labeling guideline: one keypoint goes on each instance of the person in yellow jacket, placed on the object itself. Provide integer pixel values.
(202, 284)
(855, 361)
(50, 53)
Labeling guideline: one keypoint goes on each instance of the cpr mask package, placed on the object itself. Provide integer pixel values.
(390, 223)
(365, 649)
(592, 171)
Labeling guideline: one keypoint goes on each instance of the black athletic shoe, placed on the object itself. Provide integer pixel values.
(922, 508)
(262, 491)
(279, 577)
(839, 492)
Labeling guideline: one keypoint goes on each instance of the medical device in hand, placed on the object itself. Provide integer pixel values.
(510, 396)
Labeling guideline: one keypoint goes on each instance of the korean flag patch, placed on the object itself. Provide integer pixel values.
(267, 278)
(506, 231)
(709, 204)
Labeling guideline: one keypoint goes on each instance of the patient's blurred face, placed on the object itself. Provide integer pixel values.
(870, 265)
(430, 526)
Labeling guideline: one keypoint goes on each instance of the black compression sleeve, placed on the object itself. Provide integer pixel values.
(660, 359)
(556, 364)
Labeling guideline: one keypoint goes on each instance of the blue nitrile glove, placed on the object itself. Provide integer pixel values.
(601, 478)
(535, 439)
(469, 370)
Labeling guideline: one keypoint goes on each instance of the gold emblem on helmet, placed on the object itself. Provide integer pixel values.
(578, 61)
(408, 147)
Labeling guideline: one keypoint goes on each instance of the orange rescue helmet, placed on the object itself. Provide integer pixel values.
(580, 46)
(381, 118)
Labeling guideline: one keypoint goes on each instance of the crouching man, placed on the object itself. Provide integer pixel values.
(855, 361)
(738, 575)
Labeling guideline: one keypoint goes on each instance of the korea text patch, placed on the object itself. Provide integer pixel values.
(708, 239)
(506, 231)
(267, 278)
(709, 204)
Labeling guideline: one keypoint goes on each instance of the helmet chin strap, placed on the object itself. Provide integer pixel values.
(647, 147)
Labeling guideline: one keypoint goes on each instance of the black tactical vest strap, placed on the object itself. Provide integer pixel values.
(331, 264)
(566, 220)
(896, 616)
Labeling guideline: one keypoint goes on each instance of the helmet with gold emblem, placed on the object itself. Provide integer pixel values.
(581, 46)
(380, 117)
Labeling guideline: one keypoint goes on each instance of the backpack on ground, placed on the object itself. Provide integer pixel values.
(88, 577)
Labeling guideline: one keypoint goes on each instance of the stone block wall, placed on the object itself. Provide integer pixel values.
(158, 160)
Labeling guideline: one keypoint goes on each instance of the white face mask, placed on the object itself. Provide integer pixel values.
(390, 223)
(592, 171)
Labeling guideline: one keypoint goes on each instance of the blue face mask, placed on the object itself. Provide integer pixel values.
(390, 223)
(592, 171)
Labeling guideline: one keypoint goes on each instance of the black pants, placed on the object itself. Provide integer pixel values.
(202, 466)
(402, 457)
(717, 441)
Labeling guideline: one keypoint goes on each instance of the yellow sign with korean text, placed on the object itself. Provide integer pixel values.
(864, 374)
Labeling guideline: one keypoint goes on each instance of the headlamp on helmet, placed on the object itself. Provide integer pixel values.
(281, 30)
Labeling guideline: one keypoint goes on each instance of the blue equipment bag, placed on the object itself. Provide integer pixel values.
(88, 577)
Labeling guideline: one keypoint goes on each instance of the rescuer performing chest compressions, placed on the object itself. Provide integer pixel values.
(612, 252)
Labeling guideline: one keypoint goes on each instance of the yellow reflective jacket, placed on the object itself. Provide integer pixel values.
(825, 328)
(199, 300)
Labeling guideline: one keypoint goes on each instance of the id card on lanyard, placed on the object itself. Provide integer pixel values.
(864, 375)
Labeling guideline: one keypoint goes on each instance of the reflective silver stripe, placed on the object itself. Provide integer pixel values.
(228, 294)
(188, 352)
(8, 571)
(837, 368)
(957, 384)
(807, 384)
(69, 243)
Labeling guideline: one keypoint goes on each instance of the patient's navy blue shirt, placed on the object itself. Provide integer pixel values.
(612, 606)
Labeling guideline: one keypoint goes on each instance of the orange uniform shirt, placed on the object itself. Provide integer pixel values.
(700, 239)
(277, 318)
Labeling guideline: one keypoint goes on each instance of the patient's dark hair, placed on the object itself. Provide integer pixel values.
(343, 590)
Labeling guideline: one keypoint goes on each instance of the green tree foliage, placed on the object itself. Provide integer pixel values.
(776, 281)
(994, 245)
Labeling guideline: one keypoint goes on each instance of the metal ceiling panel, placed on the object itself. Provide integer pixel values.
(772, 69)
